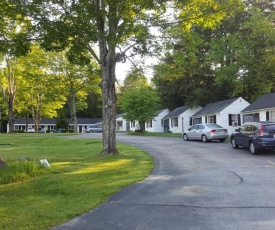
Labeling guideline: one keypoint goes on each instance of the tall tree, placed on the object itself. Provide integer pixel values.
(183, 76)
(138, 99)
(43, 91)
(242, 51)
(84, 25)
(77, 80)
(9, 77)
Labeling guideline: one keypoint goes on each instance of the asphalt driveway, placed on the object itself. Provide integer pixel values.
(195, 185)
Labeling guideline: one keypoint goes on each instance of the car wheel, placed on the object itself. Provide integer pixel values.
(222, 140)
(204, 138)
(92, 131)
(185, 137)
(233, 143)
(252, 148)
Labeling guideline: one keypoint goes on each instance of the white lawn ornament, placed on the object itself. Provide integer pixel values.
(45, 163)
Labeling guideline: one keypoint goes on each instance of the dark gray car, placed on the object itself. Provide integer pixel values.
(256, 136)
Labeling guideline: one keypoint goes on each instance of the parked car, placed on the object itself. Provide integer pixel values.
(30, 130)
(42, 130)
(93, 129)
(256, 136)
(206, 132)
(56, 131)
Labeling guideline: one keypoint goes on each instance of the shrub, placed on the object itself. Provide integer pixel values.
(20, 170)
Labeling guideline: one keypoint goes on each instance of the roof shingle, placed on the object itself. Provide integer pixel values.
(215, 107)
(176, 112)
(266, 101)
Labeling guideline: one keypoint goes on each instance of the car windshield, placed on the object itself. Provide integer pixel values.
(214, 126)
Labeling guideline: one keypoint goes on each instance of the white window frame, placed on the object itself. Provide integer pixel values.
(149, 124)
(175, 122)
(234, 119)
(211, 119)
(272, 115)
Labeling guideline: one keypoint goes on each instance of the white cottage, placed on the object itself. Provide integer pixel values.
(156, 124)
(225, 113)
(262, 109)
(179, 119)
(122, 124)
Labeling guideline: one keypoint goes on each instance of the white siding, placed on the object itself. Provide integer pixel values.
(183, 120)
(121, 124)
(157, 125)
(262, 115)
(235, 108)
(272, 115)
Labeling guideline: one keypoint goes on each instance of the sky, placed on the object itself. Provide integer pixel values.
(123, 68)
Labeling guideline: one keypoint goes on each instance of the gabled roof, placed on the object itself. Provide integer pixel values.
(216, 107)
(52, 121)
(159, 111)
(176, 112)
(46, 121)
(120, 115)
(86, 121)
(266, 101)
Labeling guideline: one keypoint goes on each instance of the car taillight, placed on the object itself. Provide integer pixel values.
(213, 131)
(225, 130)
(261, 131)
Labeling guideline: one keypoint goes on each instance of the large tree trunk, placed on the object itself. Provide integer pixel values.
(72, 106)
(109, 107)
(11, 113)
(107, 61)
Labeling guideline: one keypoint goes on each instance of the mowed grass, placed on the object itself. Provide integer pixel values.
(79, 178)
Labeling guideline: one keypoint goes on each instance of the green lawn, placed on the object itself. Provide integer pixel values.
(79, 178)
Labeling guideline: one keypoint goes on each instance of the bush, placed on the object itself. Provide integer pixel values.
(20, 170)
(19, 131)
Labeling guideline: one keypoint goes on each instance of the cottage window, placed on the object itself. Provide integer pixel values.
(174, 122)
(149, 124)
(132, 124)
(196, 121)
(212, 119)
(234, 119)
(272, 115)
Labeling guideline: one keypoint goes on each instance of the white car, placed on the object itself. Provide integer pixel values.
(30, 130)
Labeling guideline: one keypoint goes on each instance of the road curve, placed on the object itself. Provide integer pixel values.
(195, 185)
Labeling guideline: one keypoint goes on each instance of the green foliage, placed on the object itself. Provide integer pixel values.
(21, 170)
(243, 51)
(62, 123)
(139, 104)
(203, 64)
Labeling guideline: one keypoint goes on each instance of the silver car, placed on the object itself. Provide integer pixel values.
(206, 132)
(93, 129)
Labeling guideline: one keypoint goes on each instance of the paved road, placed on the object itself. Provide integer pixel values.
(194, 186)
